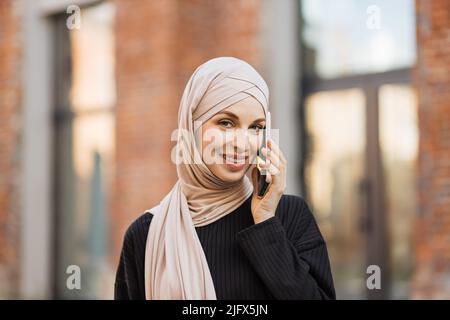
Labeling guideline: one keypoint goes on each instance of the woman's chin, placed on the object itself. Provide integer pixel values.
(233, 173)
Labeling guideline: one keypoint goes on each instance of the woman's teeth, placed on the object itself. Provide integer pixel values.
(234, 159)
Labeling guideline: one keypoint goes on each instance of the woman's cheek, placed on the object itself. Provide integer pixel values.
(213, 141)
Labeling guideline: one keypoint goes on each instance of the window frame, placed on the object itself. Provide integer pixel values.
(374, 219)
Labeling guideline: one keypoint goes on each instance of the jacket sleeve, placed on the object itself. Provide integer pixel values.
(126, 273)
(129, 282)
(291, 260)
(120, 285)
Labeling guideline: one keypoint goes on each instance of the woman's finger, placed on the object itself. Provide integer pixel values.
(272, 157)
(274, 171)
(275, 148)
(268, 166)
(276, 159)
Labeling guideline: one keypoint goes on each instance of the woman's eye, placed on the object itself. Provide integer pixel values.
(256, 129)
(226, 123)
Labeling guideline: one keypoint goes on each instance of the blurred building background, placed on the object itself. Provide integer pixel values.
(360, 91)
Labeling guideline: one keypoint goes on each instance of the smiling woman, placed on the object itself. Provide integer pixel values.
(212, 237)
(236, 140)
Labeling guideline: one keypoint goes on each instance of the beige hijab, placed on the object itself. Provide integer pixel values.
(175, 263)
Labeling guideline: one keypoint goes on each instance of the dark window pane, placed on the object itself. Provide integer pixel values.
(85, 144)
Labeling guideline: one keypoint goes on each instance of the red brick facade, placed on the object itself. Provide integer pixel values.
(432, 74)
(158, 45)
(158, 48)
(10, 101)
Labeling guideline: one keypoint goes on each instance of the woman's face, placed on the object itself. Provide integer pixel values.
(231, 138)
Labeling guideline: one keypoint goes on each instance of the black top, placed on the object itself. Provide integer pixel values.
(283, 257)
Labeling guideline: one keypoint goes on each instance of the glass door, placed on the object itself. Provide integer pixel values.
(84, 153)
(334, 175)
(359, 128)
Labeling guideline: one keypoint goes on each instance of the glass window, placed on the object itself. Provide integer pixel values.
(335, 168)
(358, 36)
(85, 145)
(399, 146)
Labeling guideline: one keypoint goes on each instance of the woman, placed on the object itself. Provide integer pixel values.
(212, 236)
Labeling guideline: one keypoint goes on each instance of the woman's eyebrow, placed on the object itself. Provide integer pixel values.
(229, 113)
(232, 115)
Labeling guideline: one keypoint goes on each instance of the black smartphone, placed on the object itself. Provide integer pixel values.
(263, 184)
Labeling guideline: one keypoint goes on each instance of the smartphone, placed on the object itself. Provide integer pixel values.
(263, 180)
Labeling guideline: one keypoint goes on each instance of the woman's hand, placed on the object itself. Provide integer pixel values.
(264, 208)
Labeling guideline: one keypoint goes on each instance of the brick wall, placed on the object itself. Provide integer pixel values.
(159, 44)
(10, 66)
(432, 276)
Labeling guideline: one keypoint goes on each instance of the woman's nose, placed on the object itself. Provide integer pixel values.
(240, 140)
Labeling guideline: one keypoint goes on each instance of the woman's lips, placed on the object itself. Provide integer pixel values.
(235, 162)
(234, 158)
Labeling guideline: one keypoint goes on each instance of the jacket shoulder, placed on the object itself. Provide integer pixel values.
(291, 204)
(138, 229)
(296, 215)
